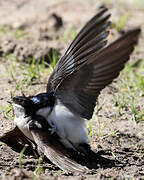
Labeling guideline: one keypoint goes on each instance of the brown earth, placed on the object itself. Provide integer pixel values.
(115, 135)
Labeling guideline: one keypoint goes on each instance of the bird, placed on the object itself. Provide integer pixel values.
(55, 119)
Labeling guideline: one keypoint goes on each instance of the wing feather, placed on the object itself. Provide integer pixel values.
(88, 66)
(90, 40)
(79, 91)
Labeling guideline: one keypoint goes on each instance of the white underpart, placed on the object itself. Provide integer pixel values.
(70, 127)
(45, 112)
(21, 121)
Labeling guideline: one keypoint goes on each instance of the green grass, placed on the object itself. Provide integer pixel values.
(13, 32)
(53, 59)
(18, 33)
(25, 75)
(121, 22)
(38, 169)
(21, 156)
(68, 34)
(90, 125)
(130, 93)
(32, 71)
(4, 29)
(127, 98)
(7, 112)
(57, 173)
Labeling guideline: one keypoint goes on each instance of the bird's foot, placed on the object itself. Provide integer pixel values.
(53, 127)
(34, 125)
(38, 123)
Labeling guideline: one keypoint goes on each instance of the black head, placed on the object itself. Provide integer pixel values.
(43, 100)
(33, 103)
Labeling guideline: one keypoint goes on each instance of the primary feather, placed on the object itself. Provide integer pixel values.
(88, 66)
(89, 40)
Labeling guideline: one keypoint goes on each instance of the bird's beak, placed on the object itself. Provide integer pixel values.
(21, 100)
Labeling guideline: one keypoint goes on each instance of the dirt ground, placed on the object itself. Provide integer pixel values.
(32, 28)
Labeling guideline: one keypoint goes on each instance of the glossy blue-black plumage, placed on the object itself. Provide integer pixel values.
(34, 103)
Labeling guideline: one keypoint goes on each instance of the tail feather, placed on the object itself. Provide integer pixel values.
(57, 153)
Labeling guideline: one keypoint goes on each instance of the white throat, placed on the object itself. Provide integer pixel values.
(21, 121)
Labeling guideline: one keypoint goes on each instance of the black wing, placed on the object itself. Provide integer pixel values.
(90, 40)
(79, 91)
(86, 68)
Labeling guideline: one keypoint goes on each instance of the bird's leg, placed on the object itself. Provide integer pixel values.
(34, 125)
(38, 123)
(53, 127)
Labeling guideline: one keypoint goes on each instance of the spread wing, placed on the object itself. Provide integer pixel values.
(88, 41)
(80, 90)
(87, 66)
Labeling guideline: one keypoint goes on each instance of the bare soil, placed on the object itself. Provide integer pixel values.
(41, 24)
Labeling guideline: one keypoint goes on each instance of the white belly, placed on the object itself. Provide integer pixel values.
(68, 125)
